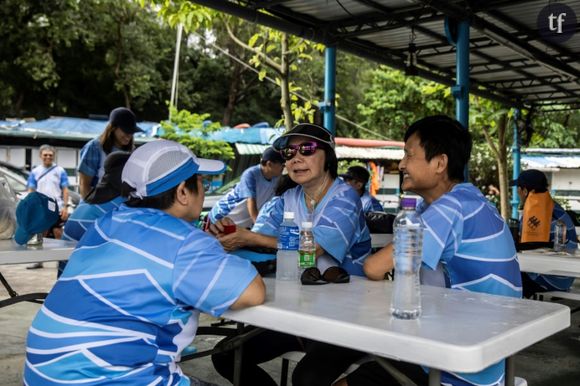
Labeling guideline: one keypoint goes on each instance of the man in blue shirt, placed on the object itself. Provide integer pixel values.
(129, 299)
(358, 178)
(465, 237)
(256, 187)
(535, 181)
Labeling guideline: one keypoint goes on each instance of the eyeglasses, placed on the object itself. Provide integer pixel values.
(312, 276)
(305, 148)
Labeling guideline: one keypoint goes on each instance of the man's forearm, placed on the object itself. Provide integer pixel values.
(379, 263)
(252, 208)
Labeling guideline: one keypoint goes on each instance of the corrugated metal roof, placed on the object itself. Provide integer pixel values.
(342, 152)
(550, 162)
(510, 61)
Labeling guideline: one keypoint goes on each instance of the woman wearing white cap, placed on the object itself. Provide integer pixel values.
(129, 298)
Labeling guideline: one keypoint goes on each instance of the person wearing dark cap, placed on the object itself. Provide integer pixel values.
(102, 199)
(358, 177)
(129, 299)
(118, 136)
(342, 245)
(256, 187)
(534, 182)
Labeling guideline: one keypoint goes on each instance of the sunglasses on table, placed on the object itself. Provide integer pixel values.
(312, 276)
(305, 148)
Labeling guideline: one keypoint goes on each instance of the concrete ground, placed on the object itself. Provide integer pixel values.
(554, 361)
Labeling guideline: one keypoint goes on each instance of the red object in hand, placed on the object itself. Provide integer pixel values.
(229, 229)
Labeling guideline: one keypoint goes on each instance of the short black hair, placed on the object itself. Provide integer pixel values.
(161, 201)
(440, 134)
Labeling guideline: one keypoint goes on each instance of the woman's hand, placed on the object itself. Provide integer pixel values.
(239, 239)
(218, 227)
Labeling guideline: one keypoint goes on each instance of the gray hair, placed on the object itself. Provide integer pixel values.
(49, 148)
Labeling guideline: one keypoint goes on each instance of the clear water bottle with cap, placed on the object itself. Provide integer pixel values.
(287, 256)
(307, 248)
(560, 236)
(408, 248)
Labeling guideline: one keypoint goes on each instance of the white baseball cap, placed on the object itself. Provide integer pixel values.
(161, 165)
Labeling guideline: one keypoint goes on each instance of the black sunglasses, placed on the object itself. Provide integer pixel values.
(312, 276)
(305, 148)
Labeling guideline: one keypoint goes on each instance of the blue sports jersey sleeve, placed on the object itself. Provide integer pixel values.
(247, 186)
(207, 278)
(268, 221)
(338, 227)
(443, 230)
(63, 179)
(90, 158)
(31, 182)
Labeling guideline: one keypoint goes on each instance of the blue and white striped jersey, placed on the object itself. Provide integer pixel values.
(128, 302)
(553, 282)
(252, 185)
(339, 225)
(84, 217)
(370, 204)
(466, 234)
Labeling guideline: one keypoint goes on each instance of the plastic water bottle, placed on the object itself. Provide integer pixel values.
(307, 248)
(408, 243)
(560, 236)
(287, 256)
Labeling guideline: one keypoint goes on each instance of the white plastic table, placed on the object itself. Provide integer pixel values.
(548, 262)
(12, 253)
(51, 250)
(458, 331)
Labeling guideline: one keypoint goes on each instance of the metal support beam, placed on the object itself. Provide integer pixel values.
(458, 33)
(517, 164)
(461, 91)
(329, 107)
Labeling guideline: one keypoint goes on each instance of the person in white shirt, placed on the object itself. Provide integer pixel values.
(50, 179)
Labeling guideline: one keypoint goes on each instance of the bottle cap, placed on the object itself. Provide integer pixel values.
(408, 202)
(289, 215)
(307, 225)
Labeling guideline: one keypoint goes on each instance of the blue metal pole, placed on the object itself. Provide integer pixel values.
(462, 81)
(517, 165)
(461, 89)
(328, 105)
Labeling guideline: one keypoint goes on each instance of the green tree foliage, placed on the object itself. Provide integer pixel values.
(191, 129)
(31, 33)
(393, 101)
(555, 129)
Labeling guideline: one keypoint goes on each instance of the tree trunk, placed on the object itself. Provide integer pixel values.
(285, 84)
(502, 173)
(232, 93)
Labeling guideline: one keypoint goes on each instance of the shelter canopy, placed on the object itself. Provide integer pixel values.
(510, 61)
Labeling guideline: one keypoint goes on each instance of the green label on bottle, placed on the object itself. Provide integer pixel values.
(307, 259)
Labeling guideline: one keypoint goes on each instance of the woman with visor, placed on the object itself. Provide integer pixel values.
(342, 240)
